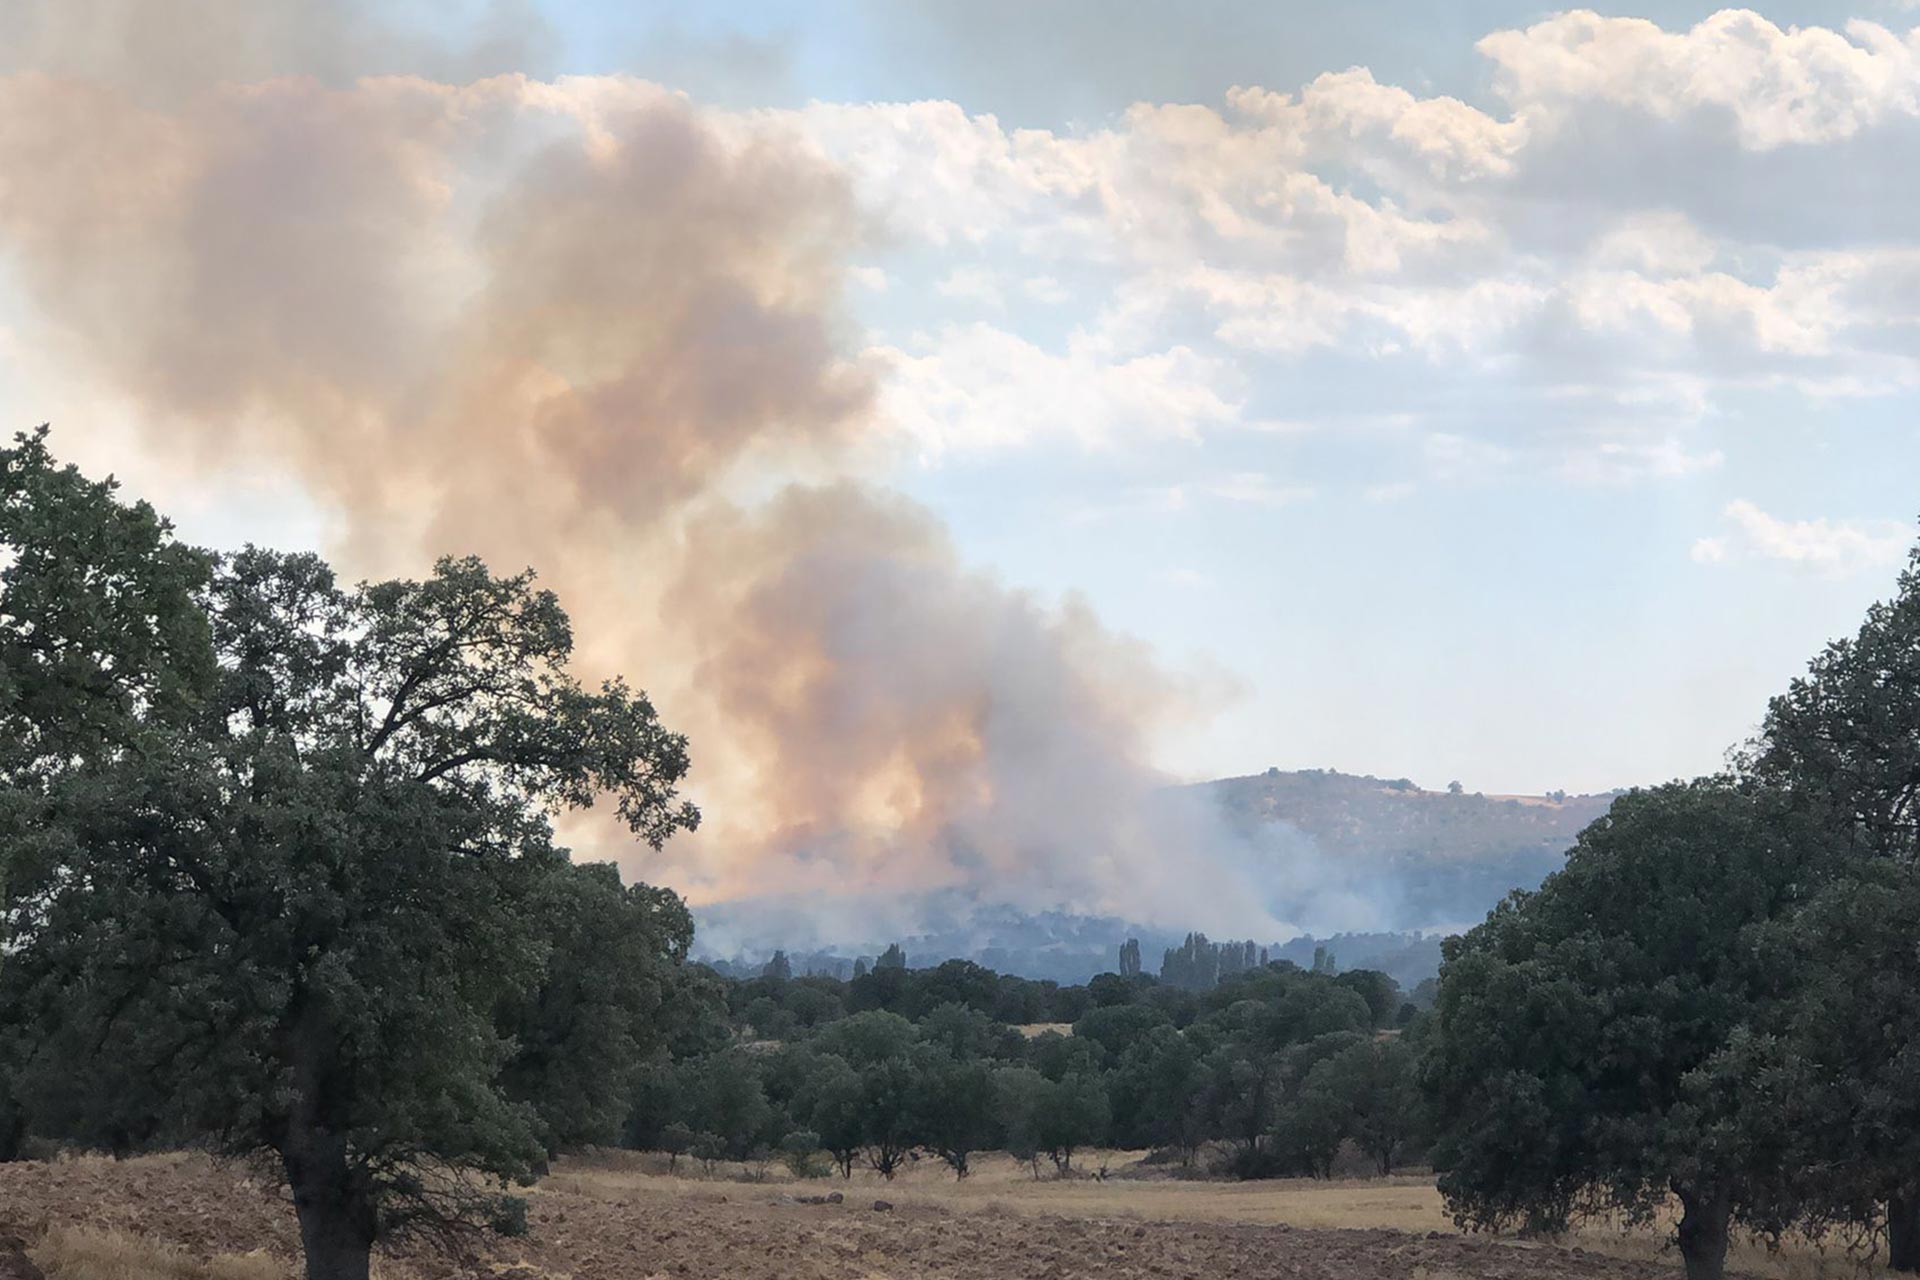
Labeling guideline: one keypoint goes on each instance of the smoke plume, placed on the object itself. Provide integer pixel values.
(584, 325)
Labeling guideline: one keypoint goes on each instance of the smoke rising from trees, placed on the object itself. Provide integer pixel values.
(588, 326)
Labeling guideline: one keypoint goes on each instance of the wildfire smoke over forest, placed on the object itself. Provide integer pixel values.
(588, 326)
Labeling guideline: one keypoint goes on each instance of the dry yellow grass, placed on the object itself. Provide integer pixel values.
(86, 1253)
(1032, 1030)
(999, 1189)
(1000, 1186)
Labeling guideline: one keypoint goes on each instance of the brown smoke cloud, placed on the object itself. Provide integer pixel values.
(585, 326)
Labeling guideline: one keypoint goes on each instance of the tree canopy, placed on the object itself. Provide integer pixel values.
(1580, 1028)
(290, 877)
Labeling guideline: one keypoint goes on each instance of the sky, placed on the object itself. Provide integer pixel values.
(1497, 392)
(1575, 545)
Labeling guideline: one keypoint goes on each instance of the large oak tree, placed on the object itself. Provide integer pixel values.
(1842, 745)
(1605, 1042)
(289, 865)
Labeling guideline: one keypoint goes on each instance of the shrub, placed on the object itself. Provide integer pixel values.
(801, 1152)
(509, 1217)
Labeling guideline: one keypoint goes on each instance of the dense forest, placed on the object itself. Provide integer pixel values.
(1270, 1070)
(282, 882)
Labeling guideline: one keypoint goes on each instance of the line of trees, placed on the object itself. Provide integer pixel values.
(1273, 1071)
(280, 880)
(1717, 1001)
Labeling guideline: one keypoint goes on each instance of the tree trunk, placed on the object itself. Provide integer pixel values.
(1706, 1222)
(1903, 1233)
(336, 1216)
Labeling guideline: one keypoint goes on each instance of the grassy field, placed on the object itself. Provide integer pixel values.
(1001, 1185)
(624, 1216)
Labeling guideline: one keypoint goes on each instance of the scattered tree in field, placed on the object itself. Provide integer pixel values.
(727, 1100)
(676, 1139)
(1021, 1097)
(954, 1111)
(834, 1105)
(887, 1100)
(709, 1149)
(800, 1150)
(1309, 1126)
(1843, 742)
(1375, 1097)
(302, 902)
(1841, 1078)
(1158, 1093)
(1575, 1025)
(1075, 1115)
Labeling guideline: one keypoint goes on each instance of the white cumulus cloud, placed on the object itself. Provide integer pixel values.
(1833, 547)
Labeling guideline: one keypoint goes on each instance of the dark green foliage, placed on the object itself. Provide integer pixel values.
(1074, 1113)
(957, 1031)
(1057, 1056)
(104, 645)
(834, 1107)
(800, 1151)
(1381, 993)
(726, 1100)
(1843, 745)
(614, 965)
(1574, 1026)
(1114, 1027)
(1374, 1097)
(676, 1139)
(291, 918)
(1109, 989)
(1021, 1098)
(889, 1094)
(960, 982)
(1159, 1094)
(954, 1110)
(1844, 739)
(1147, 1065)
(102, 635)
(866, 1038)
(509, 1217)
(1308, 1129)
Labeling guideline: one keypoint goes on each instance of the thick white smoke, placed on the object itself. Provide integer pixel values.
(584, 325)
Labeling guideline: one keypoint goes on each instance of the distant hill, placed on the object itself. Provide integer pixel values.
(1440, 858)
(1381, 819)
(1427, 862)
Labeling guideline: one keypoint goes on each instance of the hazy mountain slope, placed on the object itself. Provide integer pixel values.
(1393, 820)
(1426, 862)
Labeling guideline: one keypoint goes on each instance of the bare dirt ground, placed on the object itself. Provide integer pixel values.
(619, 1217)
